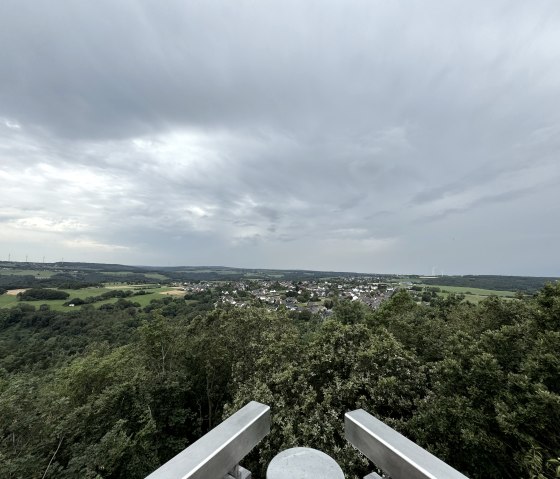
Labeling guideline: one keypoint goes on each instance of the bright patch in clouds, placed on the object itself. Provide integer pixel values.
(88, 244)
(46, 225)
(12, 124)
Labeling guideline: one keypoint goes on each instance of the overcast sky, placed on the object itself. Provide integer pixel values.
(370, 136)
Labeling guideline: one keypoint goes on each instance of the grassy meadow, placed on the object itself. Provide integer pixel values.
(154, 292)
(473, 295)
(475, 291)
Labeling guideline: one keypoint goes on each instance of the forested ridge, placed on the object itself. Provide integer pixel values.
(115, 393)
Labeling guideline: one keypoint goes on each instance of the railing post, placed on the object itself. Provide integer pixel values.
(238, 472)
(392, 452)
(217, 454)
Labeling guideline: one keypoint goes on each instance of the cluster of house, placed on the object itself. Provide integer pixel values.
(315, 296)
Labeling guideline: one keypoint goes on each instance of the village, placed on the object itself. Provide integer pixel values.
(313, 296)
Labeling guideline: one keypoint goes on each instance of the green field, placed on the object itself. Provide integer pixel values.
(38, 273)
(466, 290)
(476, 294)
(157, 276)
(474, 291)
(477, 298)
(118, 285)
(473, 295)
(8, 301)
(118, 273)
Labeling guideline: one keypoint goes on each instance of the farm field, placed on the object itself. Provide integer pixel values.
(477, 298)
(155, 276)
(460, 289)
(473, 295)
(155, 292)
(474, 291)
(38, 273)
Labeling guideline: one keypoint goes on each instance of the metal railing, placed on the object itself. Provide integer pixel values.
(217, 454)
(396, 455)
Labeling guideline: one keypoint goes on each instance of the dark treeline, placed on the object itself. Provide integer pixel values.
(69, 281)
(233, 274)
(99, 272)
(41, 294)
(114, 394)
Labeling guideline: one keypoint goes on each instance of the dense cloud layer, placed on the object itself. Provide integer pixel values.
(355, 135)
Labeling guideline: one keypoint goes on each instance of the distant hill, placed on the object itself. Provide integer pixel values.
(13, 274)
(66, 274)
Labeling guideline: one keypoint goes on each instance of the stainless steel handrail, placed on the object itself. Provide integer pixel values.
(392, 452)
(219, 452)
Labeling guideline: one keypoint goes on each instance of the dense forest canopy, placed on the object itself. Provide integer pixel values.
(114, 393)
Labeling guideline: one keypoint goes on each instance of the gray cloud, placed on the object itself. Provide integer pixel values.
(359, 135)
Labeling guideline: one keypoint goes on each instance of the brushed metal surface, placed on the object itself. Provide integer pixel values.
(395, 454)
(220, 450)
